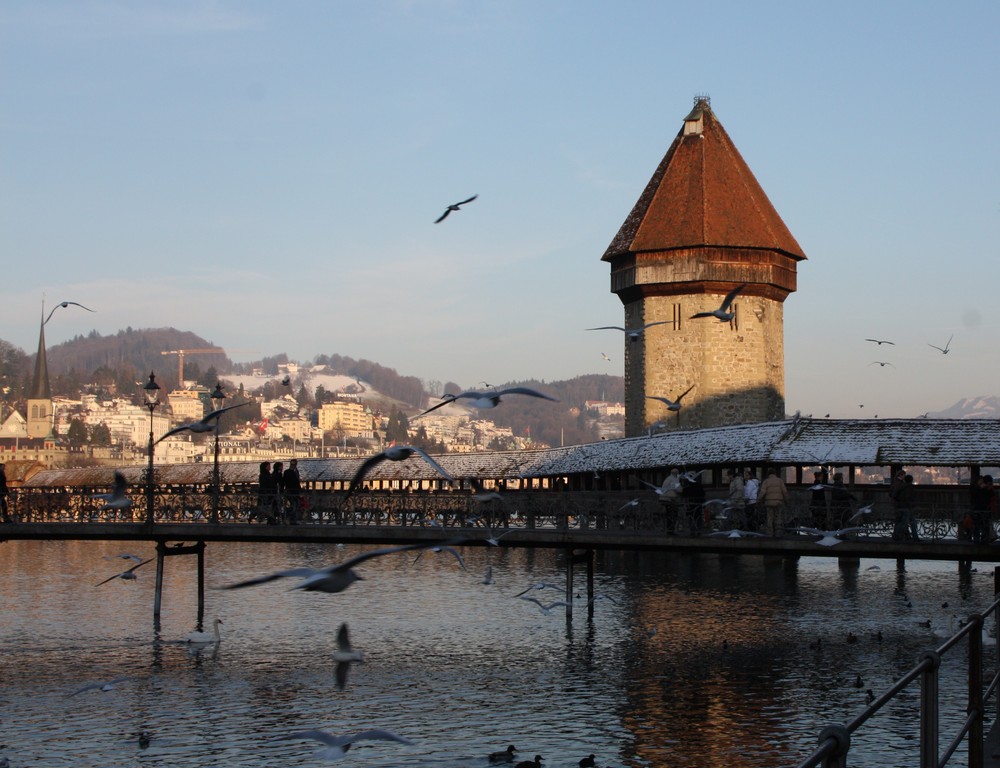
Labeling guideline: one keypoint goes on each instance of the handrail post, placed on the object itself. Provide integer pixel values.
(929, 710)
(996, 615)
(976, 691)
(838, 755)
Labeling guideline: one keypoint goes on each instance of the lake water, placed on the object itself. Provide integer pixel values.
(697, 661)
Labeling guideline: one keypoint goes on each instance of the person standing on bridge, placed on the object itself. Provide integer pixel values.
(905, 496)
(4, 512)
(841, 503)
(817, 501)
(670, 494)
(773, 495)
(736, 500)
(265, 494)
(278, 492)
(293, 491)
(751, 487)
(983, 501)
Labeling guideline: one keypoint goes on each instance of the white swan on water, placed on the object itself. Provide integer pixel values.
(205, 637)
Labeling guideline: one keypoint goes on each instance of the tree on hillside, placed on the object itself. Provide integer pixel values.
(397, 428)
(100, 434)
(77, 434)
(302, 397)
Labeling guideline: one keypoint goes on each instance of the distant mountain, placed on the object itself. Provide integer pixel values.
(984, 407)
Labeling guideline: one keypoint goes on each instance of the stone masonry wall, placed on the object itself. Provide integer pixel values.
(737, 369)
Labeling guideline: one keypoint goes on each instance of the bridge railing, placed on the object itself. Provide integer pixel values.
(625, 510)
(835, 739)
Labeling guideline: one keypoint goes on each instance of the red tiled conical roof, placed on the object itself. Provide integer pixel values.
(703, 194)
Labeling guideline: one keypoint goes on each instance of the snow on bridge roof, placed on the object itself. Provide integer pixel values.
(800, 441)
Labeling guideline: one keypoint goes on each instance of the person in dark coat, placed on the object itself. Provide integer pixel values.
(278, 491)
(4, 512)
(292, 487)
(265, 494)
(693, 499)
(841, 502)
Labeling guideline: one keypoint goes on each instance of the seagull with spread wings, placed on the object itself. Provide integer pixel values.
(128, 575)
(546, 608)
(672, 405)
(118, 498)
(722, 313)
(206, 424)
(487, 400)
(632, 333)
(946, 348)
(63, 305)
(345, 655)
(880, 342)
(827, 538)
(333, 578)
(392, 453)
(453, 207)
(337, 746)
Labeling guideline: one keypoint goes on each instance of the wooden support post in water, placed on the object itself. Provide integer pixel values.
(590, 582)
(158, 594)
(162, 552)
(201, 581)
(569, 587)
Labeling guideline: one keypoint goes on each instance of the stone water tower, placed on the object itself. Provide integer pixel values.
(701, 228)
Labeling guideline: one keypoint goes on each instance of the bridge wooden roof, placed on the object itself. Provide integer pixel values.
(801, 441)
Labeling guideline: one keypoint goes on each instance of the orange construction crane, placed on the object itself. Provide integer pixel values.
(180, 358)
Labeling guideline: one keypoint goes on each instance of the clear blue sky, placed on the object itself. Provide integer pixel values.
(267, 175)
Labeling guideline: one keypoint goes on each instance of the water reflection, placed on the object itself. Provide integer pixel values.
(749, 659)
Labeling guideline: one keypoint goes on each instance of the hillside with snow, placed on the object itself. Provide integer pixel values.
(983, 407)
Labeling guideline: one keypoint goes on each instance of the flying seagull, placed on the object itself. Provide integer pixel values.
(723, 313)
(880, 342)
(63, 304)
(441, 548)
(345, 655)
(946, 348)
(487, 400)
(123, 556)
(605, 357)
(862, 511)
(337, 746)
(333, 578)
(672, 405)
(117, 499)
(128, 575)
(392, 453)
(734, 534)
(881, 363)
(632, 333)
(206, 424)
(827, 538)
(453, 207)
(539, 585)
(546, 609)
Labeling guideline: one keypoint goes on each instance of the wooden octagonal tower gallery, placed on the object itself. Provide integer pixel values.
(702, 228)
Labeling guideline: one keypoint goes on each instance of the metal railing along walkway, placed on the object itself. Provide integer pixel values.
(835, 740)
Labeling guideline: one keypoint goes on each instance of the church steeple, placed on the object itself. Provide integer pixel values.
(40, 382)
(40, 410)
